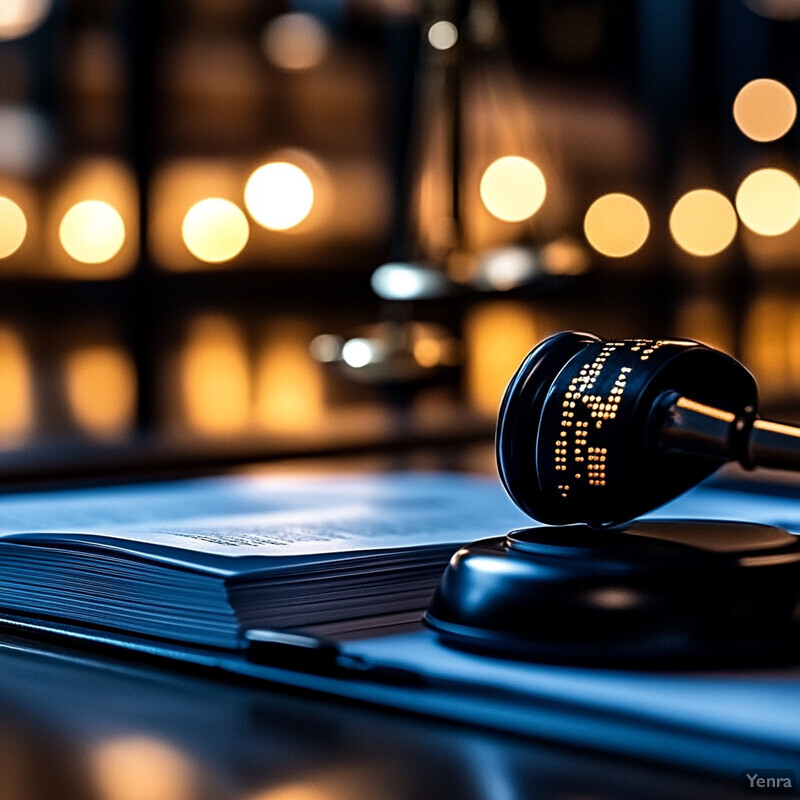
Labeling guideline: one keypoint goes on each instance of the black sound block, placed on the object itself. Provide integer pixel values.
(659, 592)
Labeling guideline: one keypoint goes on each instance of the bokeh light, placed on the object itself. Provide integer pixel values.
(771, 344)
(497, 336)
(782, 10)
(428, 351)
(565, 256)
(442, 35)
(506, 268)
(616, 225)
(295, 42)
(768, 201)
(289, 391)
(703, 222)
(21, 17)
(101, 389)
(27, 139)
(215, 377)
(325, 785)
(176, 186)
(408, 281)
(215, 230)
(279, 195)
(764, 109)
(134, 767)
(513, 188)
(91, 223)
(13, 227)
(358, 352)
(92, 232)
(16, 399)
(433, 346)
(326, 348)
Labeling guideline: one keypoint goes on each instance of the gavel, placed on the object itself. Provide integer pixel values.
(592, 434)
(601, 432)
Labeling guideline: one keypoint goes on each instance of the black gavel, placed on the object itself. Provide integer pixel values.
(601, 431)
(592, 434)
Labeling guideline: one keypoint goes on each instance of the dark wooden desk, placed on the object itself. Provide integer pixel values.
(76, 727)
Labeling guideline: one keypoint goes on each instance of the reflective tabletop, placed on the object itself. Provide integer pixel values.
(74, 725)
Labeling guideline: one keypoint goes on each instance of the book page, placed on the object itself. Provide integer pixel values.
(270, 516)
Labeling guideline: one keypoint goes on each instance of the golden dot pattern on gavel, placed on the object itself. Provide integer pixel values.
(577, 451)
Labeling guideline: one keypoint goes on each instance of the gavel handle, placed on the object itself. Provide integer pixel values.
(774, 444)
(683, 425)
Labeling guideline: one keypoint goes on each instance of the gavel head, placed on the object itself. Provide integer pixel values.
(576, 433)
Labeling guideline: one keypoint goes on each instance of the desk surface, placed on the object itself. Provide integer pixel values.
(74, 725)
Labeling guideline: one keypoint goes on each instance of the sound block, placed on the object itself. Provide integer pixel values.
(660, 592)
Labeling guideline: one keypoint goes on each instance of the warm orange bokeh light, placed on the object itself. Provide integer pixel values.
(289, 388)
(783, 10)
(101, 389)
(92, 225)
(215, 230)
(772, 345)
(497, 337)
(428, 351)
(565, 256)
(616, 225)
(16, 399)
(279, 195)
(215, 377)
(768, 202)
(764, 109)
(13, 227)
(136, 767)
(513, 188)
(92, 232)
(20, 17)
(703, 222)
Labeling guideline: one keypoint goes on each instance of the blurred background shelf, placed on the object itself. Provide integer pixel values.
(195, 198)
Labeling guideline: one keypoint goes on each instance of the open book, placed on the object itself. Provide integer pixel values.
(203, 561)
